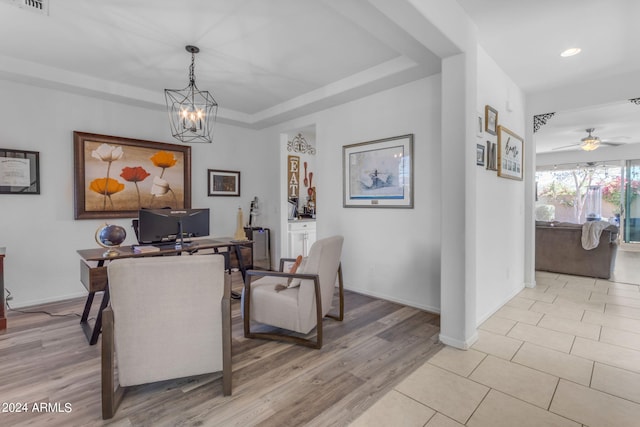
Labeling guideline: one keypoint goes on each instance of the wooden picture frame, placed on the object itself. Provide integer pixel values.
(378, 174)
(490, 120)
(19, 171)
(115, 177)
(510, 154)
(223, 183)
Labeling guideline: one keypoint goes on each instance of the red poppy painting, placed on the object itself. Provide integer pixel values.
(116, 177)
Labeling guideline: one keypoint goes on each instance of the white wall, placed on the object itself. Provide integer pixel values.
(499, 202)
(388, 253)
(39, 231)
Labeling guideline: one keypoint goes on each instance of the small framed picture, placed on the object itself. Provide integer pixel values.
(492, 162)
(223, 183)
(19, 171)
(479, 127)
(479, 154)
(490, 120)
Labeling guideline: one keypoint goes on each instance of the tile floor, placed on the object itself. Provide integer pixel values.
(566, 353)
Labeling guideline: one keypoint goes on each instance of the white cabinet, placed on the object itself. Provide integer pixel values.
(301, 235)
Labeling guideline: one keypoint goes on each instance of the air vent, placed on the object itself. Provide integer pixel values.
(38, 6)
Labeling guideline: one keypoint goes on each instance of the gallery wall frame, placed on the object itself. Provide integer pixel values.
(378, 174)
(479, 154)
(116, 176)
(223, 183)
(490, 120)
(492, 156)
(19, 171)
(510, 154)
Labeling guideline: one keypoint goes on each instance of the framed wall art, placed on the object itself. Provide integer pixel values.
(492, 156)
(510, 154)
(490, 120)
(19, 171)
(479, 154)
(223, 183)
(378, 173)
(115, 177)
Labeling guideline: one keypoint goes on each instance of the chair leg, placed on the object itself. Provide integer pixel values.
(246, 306)
(111, 395)
(226, 337)
(340, 315)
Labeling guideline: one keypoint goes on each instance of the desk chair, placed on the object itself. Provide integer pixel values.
(296, 301)
(170, 317)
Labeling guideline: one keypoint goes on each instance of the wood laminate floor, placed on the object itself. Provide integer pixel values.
(48, 370)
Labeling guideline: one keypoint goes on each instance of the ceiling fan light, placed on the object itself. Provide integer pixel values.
(590, 144)
(570, 52)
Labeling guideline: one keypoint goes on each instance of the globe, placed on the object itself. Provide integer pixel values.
(110, 236)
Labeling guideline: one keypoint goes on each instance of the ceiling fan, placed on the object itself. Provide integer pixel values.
(590, 142)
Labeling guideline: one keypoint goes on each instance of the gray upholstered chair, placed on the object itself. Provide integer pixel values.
(296, 301)
(169, 318)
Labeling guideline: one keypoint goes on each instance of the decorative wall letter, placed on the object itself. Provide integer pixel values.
(293, 176)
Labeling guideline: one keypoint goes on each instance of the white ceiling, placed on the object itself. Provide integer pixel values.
(263, 61)
(270, 60)
(526, 37)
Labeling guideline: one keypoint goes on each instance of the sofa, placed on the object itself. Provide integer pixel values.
(559, 250)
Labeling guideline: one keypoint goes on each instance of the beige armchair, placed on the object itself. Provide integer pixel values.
(296, 301)
(169, 318)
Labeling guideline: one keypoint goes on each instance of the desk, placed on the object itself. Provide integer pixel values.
(93, 272)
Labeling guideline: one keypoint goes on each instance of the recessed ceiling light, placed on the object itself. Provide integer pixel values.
(571, 52)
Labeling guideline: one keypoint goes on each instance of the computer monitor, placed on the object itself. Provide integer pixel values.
(169, 225)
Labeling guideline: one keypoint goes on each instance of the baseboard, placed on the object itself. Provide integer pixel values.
(386, 297)
(25, 304)
(462, 345)
(481, 320)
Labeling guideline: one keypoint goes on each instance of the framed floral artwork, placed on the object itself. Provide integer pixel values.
(115, 177)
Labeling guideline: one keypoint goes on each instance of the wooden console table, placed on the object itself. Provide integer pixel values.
(93, 271)
(3, 315)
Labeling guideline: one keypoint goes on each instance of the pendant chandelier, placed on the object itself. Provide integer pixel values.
(192, 112)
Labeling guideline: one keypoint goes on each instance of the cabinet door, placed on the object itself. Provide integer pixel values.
(296, 243)
(311, 238)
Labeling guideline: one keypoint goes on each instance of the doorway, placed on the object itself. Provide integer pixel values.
(631, 204)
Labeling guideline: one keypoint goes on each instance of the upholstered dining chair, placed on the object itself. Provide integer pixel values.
(169, 318)
(297, 300)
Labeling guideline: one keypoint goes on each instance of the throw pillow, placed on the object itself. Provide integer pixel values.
(292, 270)
(296, 282)
(295, 265)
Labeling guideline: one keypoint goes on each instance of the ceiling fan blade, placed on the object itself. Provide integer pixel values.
(566, 146)
(613, 144)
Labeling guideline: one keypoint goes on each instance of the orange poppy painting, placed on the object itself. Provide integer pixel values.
(115, 177)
